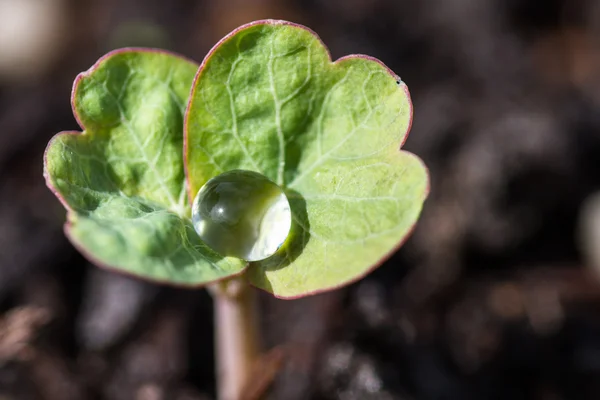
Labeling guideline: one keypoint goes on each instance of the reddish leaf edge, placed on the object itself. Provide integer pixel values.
(68, 224)
(339, 60)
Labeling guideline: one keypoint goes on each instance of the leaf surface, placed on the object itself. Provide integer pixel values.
(269, 99)
(122, 178)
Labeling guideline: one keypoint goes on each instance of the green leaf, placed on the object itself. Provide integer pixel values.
(122, 179)
(269, 99)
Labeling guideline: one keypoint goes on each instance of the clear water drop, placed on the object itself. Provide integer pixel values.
(242, 214)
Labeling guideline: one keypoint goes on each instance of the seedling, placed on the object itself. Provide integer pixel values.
(307, 188)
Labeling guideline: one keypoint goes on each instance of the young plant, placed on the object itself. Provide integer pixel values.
(267, 98)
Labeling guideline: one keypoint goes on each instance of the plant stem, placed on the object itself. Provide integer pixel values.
(236, 336)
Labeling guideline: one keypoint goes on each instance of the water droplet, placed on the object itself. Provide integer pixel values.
(242, 214)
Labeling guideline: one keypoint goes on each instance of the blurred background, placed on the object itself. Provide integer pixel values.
(495, 296)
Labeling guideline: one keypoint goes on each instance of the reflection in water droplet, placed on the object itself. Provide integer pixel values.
(242, 214)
